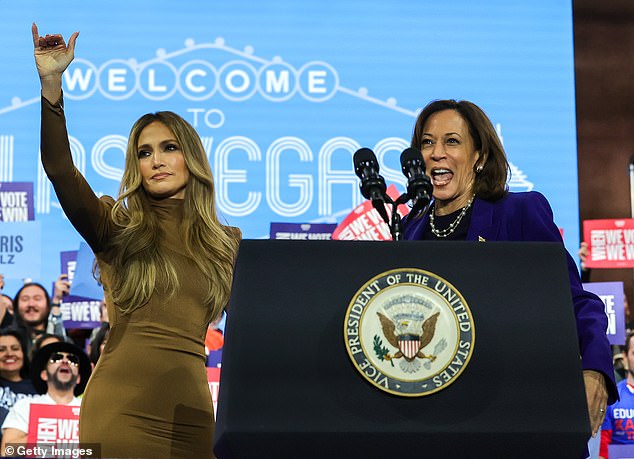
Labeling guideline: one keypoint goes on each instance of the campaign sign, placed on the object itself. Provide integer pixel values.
(610, 243)
(84, 282)
(621, 451)
(611, 293)
(365, 224)
(16, 202)
(20, 245)
(80, 312)
(213, 379)
(303, 231)
(53, 424)
(68, 262)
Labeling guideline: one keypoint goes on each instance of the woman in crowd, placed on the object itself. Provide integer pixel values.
(166, 264)
(468, 167)
(14, 371)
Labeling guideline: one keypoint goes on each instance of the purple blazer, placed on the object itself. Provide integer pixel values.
(528, 217)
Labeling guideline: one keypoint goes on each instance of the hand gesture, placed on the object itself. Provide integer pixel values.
(62, 288)
(52, 55)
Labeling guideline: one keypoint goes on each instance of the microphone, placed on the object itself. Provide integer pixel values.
(419, 187)
(372, 185)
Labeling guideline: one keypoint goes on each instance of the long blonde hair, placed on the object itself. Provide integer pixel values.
(137, 262)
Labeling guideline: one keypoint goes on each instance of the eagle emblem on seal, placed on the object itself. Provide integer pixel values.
(409, 332)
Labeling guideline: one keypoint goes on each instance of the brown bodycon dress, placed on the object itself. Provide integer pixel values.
(148, 395)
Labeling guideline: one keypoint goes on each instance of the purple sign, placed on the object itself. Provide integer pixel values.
(303, 231)
(68, 263)
(621, 451)
(79, 312)
(16, 202)
(611, 293)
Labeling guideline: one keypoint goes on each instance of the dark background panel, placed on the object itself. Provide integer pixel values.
(604, 71)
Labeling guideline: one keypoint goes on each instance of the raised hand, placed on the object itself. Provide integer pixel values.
(52, 57)
(62, 288)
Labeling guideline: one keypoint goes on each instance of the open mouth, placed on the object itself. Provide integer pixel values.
(441, 177)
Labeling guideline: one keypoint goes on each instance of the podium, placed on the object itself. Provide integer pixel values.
(289, 388)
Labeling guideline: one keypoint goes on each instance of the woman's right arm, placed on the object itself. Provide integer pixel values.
(88, 214)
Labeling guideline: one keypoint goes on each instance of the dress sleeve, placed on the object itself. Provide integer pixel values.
(89, 215)
(589, 309)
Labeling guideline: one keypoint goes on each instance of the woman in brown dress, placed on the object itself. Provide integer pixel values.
(166, 264)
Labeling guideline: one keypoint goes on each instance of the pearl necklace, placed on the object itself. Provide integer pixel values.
(446, 232)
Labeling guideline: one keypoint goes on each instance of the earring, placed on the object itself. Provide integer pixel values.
(479, 169)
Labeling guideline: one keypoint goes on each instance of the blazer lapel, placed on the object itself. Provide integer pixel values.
(483, 227)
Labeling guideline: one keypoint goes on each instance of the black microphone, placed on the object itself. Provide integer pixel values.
(372, 185)
(419, 187)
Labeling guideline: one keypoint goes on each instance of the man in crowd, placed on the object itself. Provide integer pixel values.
(618, 426)
(59, 372)
(37, 313)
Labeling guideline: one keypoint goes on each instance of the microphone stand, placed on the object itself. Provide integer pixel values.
(396, 229)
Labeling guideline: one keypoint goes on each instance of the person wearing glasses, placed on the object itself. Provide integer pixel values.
(59, 372)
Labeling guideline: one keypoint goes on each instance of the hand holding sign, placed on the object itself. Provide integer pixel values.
(610, 243)
(62, 288)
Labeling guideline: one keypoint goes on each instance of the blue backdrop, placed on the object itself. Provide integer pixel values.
(284, 92)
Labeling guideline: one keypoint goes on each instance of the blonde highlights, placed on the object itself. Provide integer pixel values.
(137, 263)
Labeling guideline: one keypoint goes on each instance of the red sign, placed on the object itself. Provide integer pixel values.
(610, 243)
(213, 379)
(365, 224)
(53, 424)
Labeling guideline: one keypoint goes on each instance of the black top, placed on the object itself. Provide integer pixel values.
(11, 392)
(442, 222)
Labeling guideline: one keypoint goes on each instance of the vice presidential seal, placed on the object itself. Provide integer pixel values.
(409, 332)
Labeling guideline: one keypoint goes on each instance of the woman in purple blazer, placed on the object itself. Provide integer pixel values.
(468, 168)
